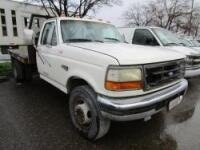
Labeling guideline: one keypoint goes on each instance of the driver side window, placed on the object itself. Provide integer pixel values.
(49, 34)
(144, 37)
(54, 37)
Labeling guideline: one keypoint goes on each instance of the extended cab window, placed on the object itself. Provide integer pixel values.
(49, 34)
(144, 37)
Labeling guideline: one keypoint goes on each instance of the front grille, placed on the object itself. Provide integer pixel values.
(157, 75)
(193, 62)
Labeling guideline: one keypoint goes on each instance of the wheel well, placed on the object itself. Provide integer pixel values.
(74, 82)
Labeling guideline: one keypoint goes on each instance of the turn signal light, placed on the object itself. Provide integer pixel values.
(116, 86)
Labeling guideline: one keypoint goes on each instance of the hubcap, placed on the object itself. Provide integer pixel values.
(83, 114)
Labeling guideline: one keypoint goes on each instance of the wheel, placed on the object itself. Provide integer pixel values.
(18, 70)
(85, 115)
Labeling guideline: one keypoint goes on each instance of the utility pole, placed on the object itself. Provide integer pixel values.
(191, 17)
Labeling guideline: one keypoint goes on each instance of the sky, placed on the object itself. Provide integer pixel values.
(114, 13)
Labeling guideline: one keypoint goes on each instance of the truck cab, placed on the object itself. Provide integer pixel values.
(106, 79)
(159, 37)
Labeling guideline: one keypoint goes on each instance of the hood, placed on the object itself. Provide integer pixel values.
(184, 50)
(196, 48)
(128, 54)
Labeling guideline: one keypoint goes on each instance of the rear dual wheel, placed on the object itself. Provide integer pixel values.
(18, 70)
(21, 72)
(85, 115)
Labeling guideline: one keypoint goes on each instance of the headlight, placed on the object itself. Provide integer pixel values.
(124, 78)
(189, 60)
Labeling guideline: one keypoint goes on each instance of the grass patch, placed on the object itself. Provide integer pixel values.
(5, 68)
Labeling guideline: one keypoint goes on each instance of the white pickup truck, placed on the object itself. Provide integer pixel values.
(106, 78)
(155, 36)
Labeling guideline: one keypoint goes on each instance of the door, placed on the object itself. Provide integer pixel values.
(44, 49)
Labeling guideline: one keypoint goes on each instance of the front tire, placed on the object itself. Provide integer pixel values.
(85, 115)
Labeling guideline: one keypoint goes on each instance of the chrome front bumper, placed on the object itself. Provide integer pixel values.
(192, 72)
(124, 109)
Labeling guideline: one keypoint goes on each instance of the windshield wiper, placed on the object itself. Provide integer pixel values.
(169, 44)
(107, 38)
(98, 41)
(182, 44)
(78, 40)
(82, 40)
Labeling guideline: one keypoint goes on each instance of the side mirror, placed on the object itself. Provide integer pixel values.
(36, 38)
(28, 36)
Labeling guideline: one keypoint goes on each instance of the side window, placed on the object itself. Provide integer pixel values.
(144, 37)
(54, 37)
(47, 33)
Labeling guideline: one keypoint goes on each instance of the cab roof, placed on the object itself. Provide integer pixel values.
(90, 19)
(141, 27)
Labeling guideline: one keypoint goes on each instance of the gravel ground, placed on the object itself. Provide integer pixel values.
(35, 116)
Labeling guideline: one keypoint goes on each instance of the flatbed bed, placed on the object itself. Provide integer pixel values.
(24, 58)
(25, 55)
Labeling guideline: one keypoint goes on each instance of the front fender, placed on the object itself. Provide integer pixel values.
(96, 82)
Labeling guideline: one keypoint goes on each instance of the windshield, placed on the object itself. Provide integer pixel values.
(86, 31)
(166, 37)
(187, 43)
(195, 43)
(190, 43)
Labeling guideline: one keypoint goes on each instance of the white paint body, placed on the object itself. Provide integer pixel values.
(90, 60)
(196, 48)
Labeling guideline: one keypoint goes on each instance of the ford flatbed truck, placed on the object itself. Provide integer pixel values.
(106, 78)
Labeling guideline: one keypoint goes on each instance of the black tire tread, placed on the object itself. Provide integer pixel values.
(102, 124)
(19, 70)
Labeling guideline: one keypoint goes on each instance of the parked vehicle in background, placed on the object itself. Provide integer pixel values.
(155, 36)
(191, 43)
(106, 78)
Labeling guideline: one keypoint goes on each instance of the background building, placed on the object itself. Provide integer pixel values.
(14, 18)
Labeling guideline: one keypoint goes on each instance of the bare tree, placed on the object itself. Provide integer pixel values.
(72, 7)
(174, 9)
(137, 16)
(176, 15)
(191, 16)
